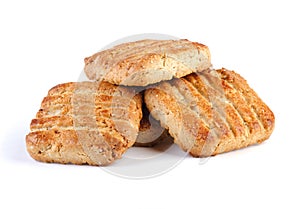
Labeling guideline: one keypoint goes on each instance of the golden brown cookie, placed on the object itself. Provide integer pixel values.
(145, 62)
(211, 112)
(85, 123)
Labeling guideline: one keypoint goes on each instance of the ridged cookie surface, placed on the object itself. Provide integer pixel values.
(85, 123)
(147, 61)
(211, 112)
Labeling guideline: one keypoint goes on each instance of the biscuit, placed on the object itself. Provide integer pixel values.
(145, 62)
(211, 112)
(85, 123)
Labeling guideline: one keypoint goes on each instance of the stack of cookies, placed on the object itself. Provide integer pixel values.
(141, 93)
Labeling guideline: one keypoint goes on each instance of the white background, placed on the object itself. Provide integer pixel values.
(43, 43)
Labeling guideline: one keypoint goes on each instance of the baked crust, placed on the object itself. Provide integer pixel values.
(147, 61)
(85, 123)
(211, 112)
(150, 132)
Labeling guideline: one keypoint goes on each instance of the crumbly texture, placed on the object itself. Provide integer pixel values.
(211, 112)
(147, 61)
(85, 123)
(150, 132)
